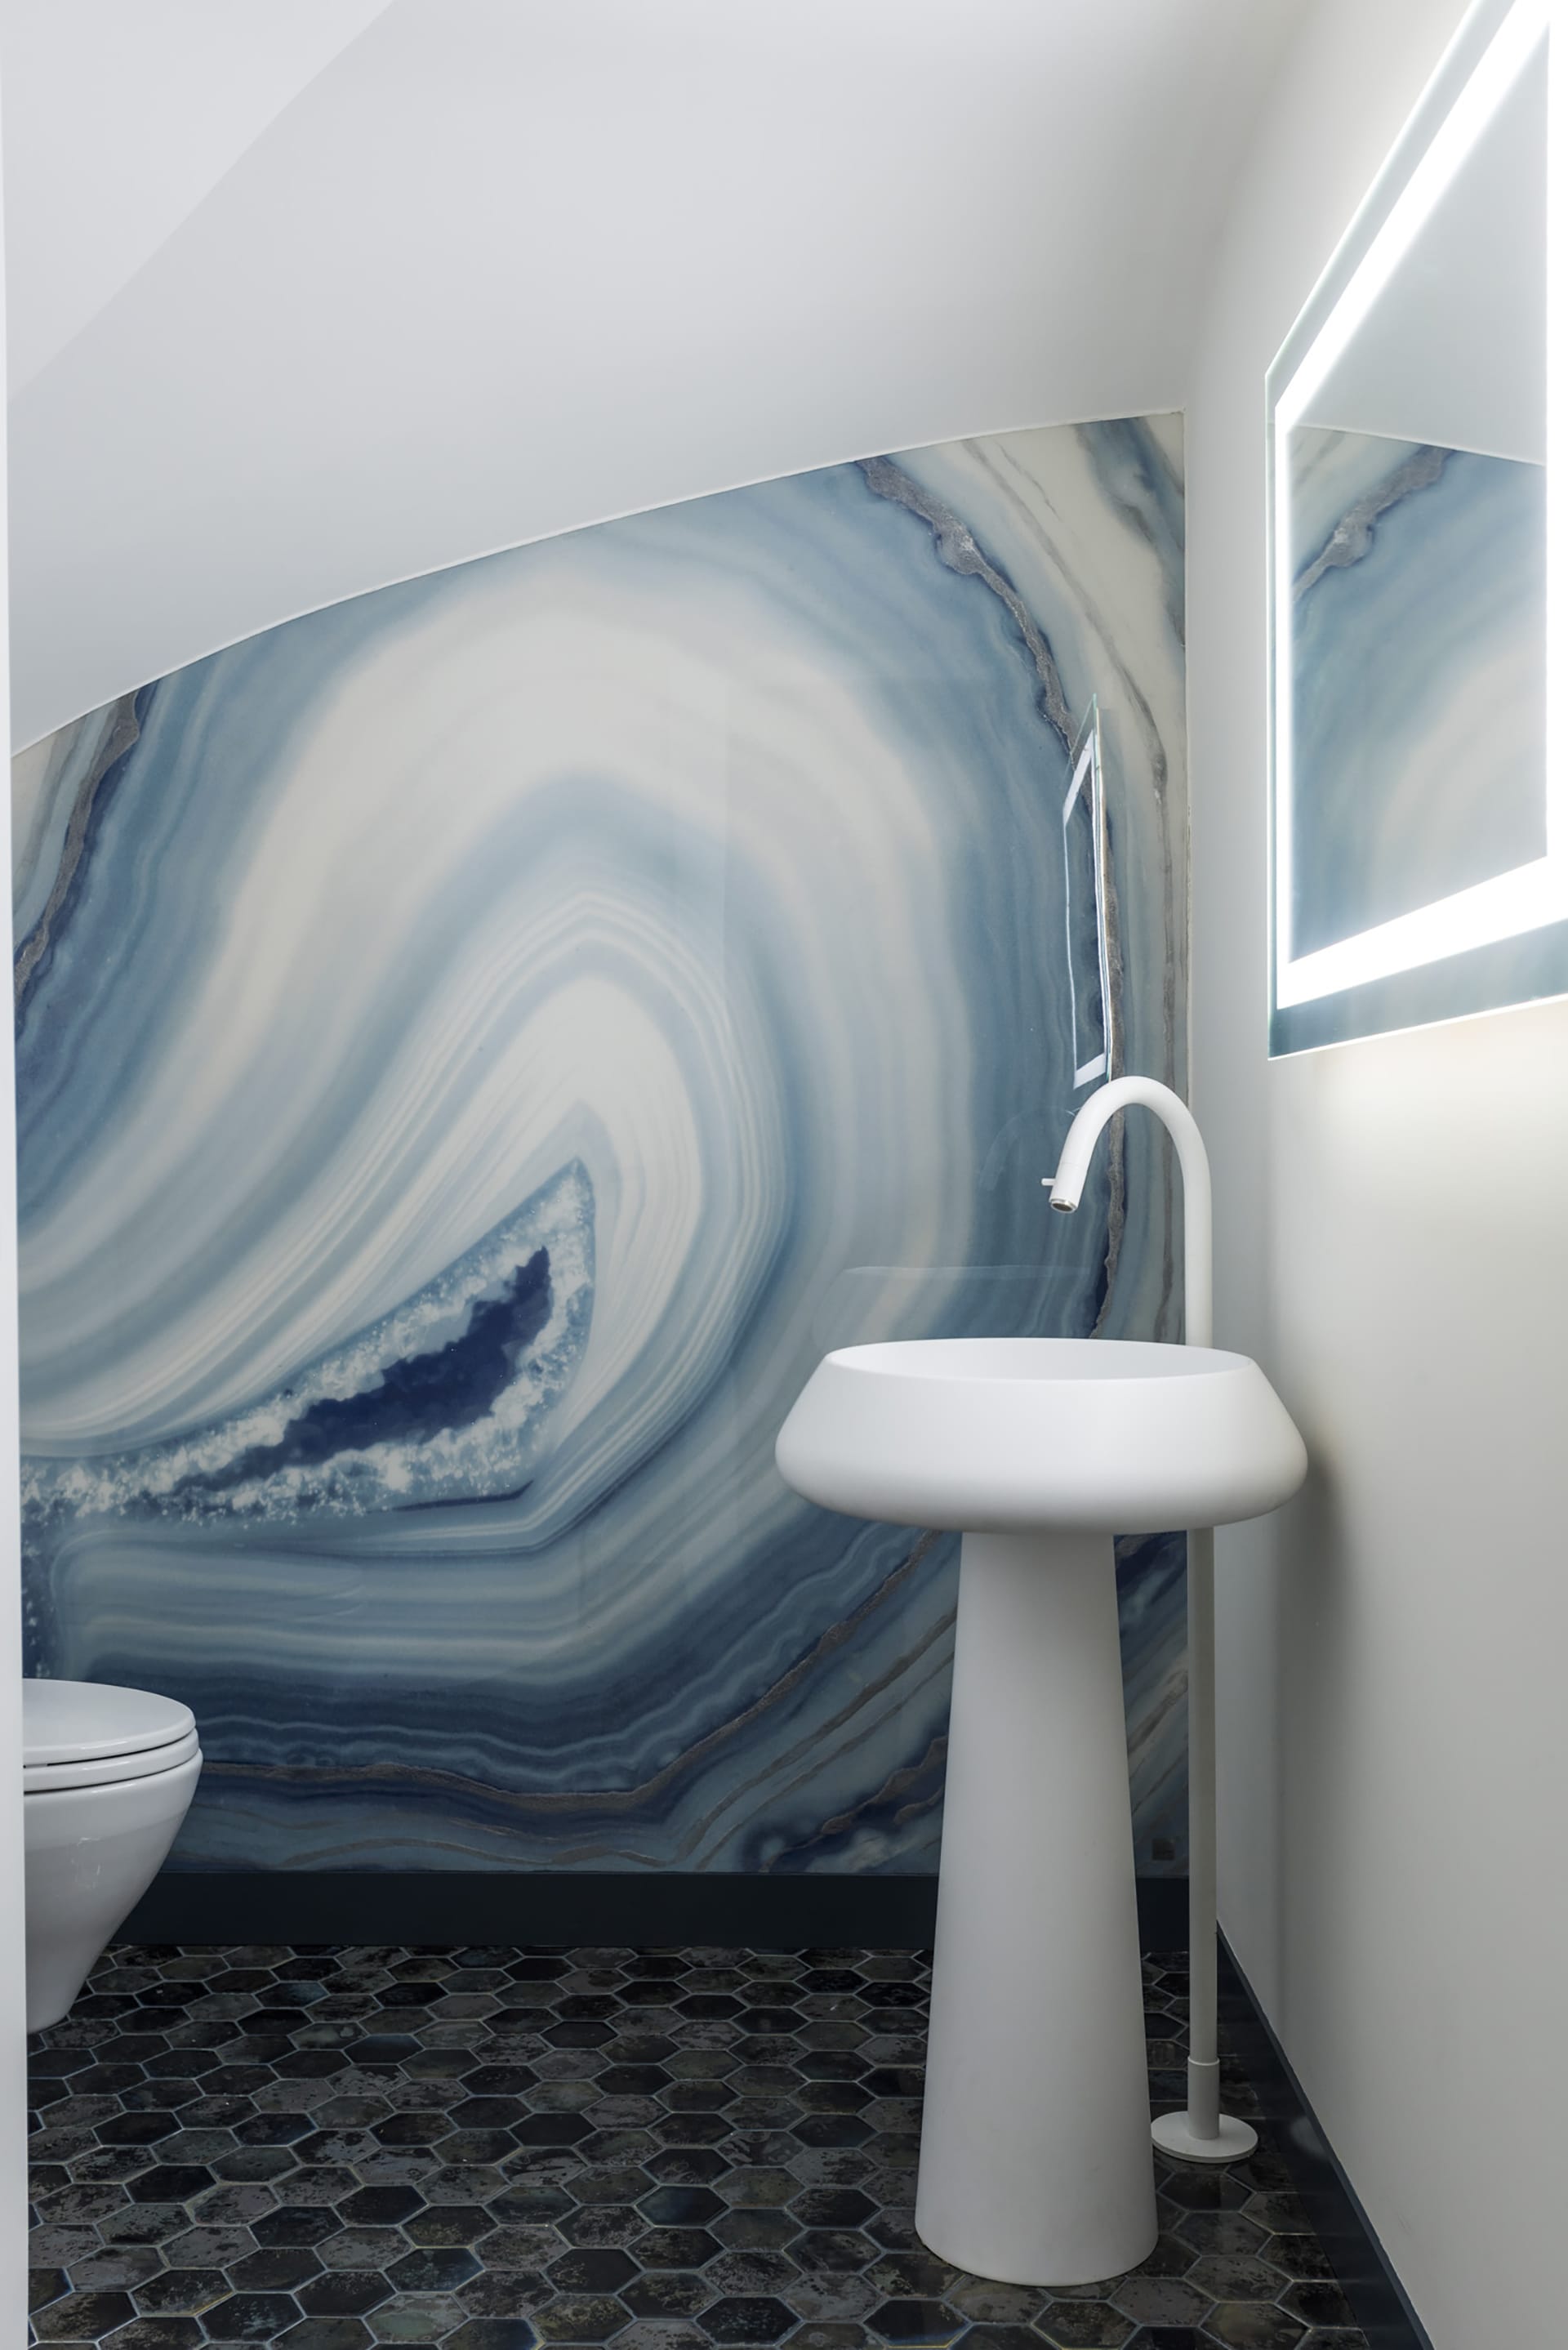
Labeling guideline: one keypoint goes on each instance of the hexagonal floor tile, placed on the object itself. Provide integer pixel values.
(1253, 2325)
(582, 2317)
(745, 2318)
(498, 2150)
(1084, 2326)
(916, 2324)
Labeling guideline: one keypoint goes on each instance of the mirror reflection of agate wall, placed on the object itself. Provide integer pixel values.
(476, 1042)
(1417, 877)
(1418, 643)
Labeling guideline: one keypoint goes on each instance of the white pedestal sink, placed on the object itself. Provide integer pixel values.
(1035, 2161)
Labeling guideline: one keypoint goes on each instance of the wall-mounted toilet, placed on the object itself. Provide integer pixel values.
(108, 1776)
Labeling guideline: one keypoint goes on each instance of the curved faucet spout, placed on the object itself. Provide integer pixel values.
(1066, 1186)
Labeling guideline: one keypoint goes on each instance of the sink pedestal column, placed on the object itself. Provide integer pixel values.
(1035, 2164)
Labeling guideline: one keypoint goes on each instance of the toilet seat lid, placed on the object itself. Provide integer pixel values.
(81, 1721)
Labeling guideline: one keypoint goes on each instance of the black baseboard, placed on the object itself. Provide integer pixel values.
(453, 1908)
(1333, 2209)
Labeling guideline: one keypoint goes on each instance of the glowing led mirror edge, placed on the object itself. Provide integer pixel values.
(1492, 48)
(1508, 903)
(1499, 976)
(1456, 135)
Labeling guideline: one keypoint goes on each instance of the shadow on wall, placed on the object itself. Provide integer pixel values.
(473, 1043)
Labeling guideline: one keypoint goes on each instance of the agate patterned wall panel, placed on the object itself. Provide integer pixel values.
(477, 1045)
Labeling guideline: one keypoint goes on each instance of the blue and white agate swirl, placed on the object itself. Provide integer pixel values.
(477, 1045)
(1417, 648)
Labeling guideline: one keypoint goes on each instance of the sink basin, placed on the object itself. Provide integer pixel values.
(1009, 1435)
(1035, 2161)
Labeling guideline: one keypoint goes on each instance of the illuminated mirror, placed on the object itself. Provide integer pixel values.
(1419, 847)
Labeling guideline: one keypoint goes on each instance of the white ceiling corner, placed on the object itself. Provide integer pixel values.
(118, 120)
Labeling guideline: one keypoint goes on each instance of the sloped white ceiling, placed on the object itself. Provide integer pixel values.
(413, 282)
(118, 120)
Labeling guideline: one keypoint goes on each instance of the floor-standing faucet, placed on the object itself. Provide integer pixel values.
(1202, 2134)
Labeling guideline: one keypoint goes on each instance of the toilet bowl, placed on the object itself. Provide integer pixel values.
(108, 1776)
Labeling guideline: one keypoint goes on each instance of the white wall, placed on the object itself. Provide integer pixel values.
(498, 270)
(1393, 1223)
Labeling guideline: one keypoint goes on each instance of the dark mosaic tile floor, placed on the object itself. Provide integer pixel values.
(491, 2148)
